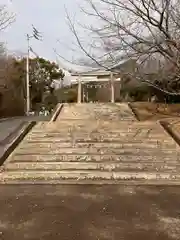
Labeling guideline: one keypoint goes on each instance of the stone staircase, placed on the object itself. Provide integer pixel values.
(96, 111)
(94, 143)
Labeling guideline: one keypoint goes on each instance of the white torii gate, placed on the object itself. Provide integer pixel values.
(85, 70)
(112, 80)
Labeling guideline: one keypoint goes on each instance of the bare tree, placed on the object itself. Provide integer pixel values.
(145, 30)
(6, 18)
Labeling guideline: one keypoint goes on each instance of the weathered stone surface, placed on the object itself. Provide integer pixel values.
(157, 157)
(95, 146)
(124, 150)
(87, 149)
(104, 111)
(89, 213)
(173, 127)
(103, 166)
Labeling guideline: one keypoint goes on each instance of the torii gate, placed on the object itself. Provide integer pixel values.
(82, 71)
(112, 80)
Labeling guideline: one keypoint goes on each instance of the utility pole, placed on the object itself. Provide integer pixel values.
(27, 79)
(37, 36)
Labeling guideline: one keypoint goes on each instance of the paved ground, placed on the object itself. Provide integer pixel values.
(9, 128)
(89, 212)
(10, 125)
(8, 131)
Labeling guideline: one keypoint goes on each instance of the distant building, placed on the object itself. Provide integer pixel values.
(100, 79)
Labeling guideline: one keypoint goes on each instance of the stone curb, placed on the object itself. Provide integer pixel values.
(133, 111)
(10, 146)
(170, 183)
(56, 113)
(171, 130)
(9, 137)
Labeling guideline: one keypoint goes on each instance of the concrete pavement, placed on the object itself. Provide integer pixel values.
(89, 212)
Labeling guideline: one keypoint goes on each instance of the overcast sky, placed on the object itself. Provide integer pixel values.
(48, 17)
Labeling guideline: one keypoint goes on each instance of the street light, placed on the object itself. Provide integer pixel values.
(37, 36)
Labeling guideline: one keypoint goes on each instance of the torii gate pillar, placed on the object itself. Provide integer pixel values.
(79, 90)
(112, 88)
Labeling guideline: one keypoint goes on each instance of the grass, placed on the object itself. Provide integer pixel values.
(155, 111)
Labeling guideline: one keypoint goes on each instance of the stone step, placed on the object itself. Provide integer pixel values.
(82, 122)
(161, 158)
(120, 151)
(57, 176)
(90, 129)
(99, 111)
(95, 115)
(104, 136)
(56, 140)
(97, 123)
(100, 133)
(106, 133)
(97, 182)
(99, 142)
(124, 135)
(91, 126)
(96, 146)
(105, 166)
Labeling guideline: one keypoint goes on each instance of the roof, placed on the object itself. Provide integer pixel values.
(98, 72)
(75, 68)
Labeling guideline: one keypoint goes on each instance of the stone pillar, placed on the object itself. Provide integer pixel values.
(83, 93)
(87, 96)
(112, 88)
(79, 90)
(120, 87)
